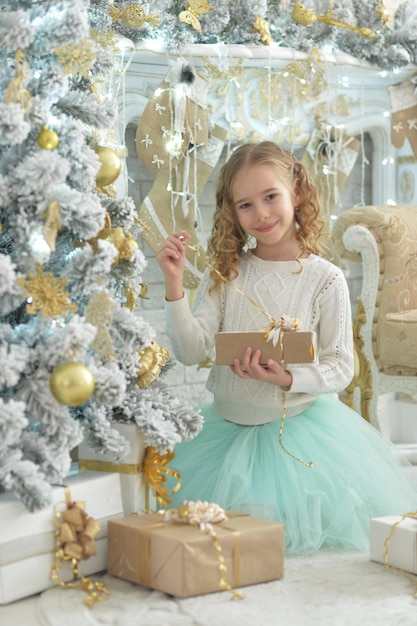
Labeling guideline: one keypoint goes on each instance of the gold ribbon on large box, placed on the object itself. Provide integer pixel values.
(188, 514)
(75, 541)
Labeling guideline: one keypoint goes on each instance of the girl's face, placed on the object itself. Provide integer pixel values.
(265, 209)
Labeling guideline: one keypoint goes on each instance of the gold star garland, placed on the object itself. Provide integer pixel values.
(99, 312)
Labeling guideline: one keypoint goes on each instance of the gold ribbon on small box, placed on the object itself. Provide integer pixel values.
(412, 579)
(204, 515)
(75, 541)
(153, 469)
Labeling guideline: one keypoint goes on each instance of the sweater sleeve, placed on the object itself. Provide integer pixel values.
(334, 369)
(192, 333)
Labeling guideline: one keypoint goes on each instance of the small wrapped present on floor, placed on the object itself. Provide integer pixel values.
(28, 541)
(199, 556)
(136, 494)
(393, 541)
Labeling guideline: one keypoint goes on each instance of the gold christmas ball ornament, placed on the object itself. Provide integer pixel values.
(71, 383)
(110, 167)
(129, 247)
(47, 139)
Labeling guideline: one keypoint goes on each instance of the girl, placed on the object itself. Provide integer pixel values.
(328, 471)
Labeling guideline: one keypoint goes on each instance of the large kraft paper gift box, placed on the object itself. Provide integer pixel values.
(393, 541)
(28, 543)
(181, 560)
(136, 495)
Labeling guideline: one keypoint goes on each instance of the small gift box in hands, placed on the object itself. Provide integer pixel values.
(291, 346)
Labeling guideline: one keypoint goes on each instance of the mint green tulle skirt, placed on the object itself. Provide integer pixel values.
(356, 474)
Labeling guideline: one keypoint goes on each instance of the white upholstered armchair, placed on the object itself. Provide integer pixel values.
(384, 239)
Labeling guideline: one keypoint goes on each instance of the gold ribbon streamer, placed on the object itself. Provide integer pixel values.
(411, 578)
(154, 468)
(75, 540)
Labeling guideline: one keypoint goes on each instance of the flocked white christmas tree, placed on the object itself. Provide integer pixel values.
(74, 354)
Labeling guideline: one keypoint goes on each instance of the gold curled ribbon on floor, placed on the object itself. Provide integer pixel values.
(411, 578)
(75, 541)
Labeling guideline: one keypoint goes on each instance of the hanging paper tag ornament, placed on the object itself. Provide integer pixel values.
(193, 12)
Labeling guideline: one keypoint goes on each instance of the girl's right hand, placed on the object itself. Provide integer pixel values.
(171, 258)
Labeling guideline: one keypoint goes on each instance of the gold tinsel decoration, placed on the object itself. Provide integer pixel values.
(133, 16)
(262, 27)
(99, 312)
(305, 16)
(78, 58)
(46, 294)
(15, 92)
(382, 12)
(130, 302)
(151, 359)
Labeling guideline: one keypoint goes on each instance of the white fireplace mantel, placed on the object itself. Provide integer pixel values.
(262, 92)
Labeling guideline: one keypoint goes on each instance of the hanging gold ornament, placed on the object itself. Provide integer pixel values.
(193, 12)
(262, 27)
(144, 288)
(125, 244)
(130, 302)
(46, 294)
(71, 383)
(128, 247)
(133, 16)
(305, 16)
(47, 139)
(52, 225)
(110, 166)
(150, 361)
(77, 58)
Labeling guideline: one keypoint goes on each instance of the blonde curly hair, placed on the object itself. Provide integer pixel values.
(228, 240)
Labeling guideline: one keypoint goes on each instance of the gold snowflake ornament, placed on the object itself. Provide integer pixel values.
(46, 294)
(77, 58)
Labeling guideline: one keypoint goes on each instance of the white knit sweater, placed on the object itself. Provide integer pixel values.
(318, 296)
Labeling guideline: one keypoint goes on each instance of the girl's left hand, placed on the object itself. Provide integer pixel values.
(272, 372)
